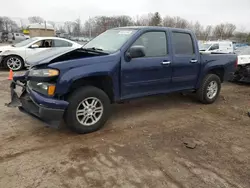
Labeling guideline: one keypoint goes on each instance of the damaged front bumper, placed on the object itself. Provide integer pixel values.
(46, 109)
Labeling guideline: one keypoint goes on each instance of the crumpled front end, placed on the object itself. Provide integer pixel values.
(47, 109)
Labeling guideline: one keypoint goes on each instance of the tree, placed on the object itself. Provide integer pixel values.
(156, 19)
(181, 23)
(61, 29)
(1, 24)
(52, 23)
(122, 21)
(176, 22)
(8, 25)
(68, 26)
(198, 30)
(168, 21)
(35, 19)
(241, 36)
(77, 27)
(219, 31)
(144, 20)
(207, 32)
(229, 30)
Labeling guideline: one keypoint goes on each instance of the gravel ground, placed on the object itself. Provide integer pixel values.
(142, 145)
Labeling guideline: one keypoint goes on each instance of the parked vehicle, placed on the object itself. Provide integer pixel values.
(120, 64)
(5, 36)
(17, 37)
(14, 56)
(27, 37)
(242, 74)
(218, 46)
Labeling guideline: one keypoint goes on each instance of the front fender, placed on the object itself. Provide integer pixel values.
(70, 76)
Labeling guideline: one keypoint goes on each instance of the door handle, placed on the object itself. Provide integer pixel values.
(165, 63)
(193, 61)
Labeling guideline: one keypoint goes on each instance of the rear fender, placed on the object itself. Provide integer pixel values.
(206, 70)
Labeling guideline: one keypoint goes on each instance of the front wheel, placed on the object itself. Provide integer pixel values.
(88, 110)
(209, 89)
(14, 63)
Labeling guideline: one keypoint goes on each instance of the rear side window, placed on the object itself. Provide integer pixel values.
(61, 43)
(182, 43)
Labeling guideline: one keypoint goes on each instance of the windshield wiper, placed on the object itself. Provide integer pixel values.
(94, 49)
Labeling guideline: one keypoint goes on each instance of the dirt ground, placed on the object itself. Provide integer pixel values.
(142, 145)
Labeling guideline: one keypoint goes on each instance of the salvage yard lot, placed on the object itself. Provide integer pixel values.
(142, 145)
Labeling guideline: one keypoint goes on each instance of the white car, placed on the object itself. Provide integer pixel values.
(15, 56)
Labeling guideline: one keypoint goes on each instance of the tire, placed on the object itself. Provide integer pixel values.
(17, 63)
(75, 100)
(202, 92)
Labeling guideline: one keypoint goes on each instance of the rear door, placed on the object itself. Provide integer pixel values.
(61, 43)
(150, 74)
(186, 60)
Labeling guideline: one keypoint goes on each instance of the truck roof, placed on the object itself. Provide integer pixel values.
(151, 27)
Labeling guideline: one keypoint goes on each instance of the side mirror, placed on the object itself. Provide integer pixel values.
(135, 52)
(34, 46)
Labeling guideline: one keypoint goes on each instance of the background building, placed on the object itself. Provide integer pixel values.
(41, 30)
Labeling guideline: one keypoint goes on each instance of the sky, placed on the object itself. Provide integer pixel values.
(207, 12)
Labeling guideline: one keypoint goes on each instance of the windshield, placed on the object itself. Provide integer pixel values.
(243, 51)
(111, 40)
(204, 46)
(25, 42)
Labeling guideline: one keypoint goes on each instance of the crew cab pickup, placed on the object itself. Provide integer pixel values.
(120, 64)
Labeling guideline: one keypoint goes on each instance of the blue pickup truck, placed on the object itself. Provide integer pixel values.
(120, 64)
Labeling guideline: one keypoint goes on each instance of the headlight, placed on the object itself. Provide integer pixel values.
(42, 87)
(43, 72)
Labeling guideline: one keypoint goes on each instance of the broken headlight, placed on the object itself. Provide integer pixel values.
(42, 87)
(43, 72)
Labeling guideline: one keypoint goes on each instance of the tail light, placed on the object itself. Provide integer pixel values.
(236, 63)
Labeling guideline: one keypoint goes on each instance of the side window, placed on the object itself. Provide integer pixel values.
(214, 47)
(182, 43)
(44, 43)
(155, 43)
(39, 43)
(17, 35)
(61, 43)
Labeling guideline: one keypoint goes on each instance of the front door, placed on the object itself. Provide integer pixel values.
(42, 45)
(150, 74)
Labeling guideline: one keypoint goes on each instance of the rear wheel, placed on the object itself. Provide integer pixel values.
(14, 63)
(209, 89)
(88, 110)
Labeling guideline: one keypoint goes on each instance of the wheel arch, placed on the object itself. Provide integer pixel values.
(6, 56)
(103, 82)
(219, 71)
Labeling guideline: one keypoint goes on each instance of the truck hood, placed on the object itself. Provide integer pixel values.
(47, 55)
(80, 57)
